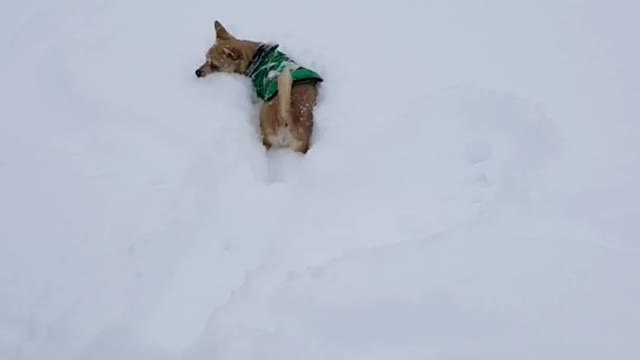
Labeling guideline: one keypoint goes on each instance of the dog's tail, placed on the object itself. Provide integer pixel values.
(284, 98)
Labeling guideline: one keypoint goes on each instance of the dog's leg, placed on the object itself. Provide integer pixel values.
(303, 100)
(266, 143)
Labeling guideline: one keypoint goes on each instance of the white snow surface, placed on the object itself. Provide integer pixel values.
(471, 191)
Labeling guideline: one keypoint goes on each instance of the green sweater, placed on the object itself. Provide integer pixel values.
(268, 63)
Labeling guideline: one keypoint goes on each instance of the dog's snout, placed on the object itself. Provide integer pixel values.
(199, 73)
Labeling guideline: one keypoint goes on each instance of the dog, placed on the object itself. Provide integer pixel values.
(287, 92)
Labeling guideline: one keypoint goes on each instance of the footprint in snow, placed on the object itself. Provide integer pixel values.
(479, 154)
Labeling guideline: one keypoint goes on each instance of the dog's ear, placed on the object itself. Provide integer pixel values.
(221, 32)
(231, 53)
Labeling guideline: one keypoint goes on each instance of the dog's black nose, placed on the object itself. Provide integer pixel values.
(199, 73)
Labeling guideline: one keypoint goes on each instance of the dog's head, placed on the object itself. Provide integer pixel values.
(228, 54)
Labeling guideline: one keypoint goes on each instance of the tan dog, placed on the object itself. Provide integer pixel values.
(287, 91)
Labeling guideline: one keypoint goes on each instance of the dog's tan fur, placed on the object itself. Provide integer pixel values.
(287, 119)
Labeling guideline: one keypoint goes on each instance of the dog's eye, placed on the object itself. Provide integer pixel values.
(213, 66)
(212, 63)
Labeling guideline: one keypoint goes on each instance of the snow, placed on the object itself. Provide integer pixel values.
(471, 191)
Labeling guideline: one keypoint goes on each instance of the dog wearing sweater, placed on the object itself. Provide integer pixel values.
(287, 91)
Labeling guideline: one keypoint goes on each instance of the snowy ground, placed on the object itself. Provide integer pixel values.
(471, 193)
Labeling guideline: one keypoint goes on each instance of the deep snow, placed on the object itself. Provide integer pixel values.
(471, 192)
